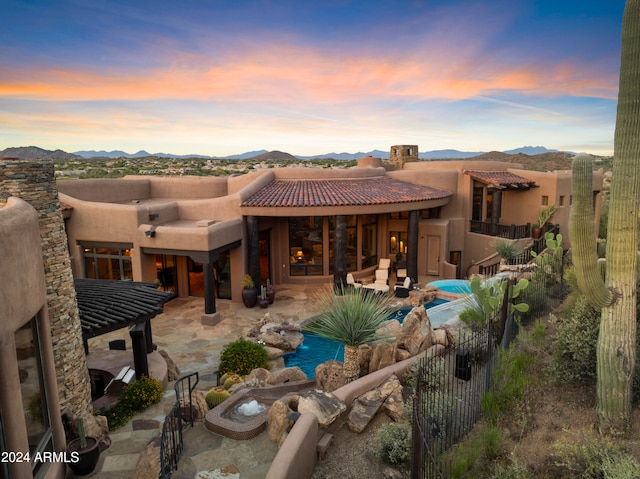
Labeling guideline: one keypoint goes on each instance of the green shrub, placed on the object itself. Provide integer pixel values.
(141, 394)
(471, 457)
(510, 470)
(133, 398)
(576, 341)
(509, 382)
(242, 357)
(595, 459)
(393, 443)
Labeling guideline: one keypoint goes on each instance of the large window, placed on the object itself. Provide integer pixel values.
(305, 245)
(108, 262)
(32, 390)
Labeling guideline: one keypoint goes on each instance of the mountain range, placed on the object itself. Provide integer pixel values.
(33, 152)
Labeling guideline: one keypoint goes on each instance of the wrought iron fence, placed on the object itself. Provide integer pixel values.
(180, 416)
(449, 391)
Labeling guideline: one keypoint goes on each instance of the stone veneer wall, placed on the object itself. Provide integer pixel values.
(34, 182)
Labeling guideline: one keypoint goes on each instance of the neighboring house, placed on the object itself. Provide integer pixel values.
(201, 235)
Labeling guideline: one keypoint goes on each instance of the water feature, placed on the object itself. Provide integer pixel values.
(457, 286)
(317, 350)
(245, 411)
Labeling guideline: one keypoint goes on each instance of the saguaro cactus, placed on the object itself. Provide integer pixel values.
(616, 348)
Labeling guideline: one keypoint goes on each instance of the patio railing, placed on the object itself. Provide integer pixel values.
(179, 417)
(503, 231)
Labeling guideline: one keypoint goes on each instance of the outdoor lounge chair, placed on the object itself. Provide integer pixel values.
(380, 283)
(352, 282)
(402, 290)
(384, 263)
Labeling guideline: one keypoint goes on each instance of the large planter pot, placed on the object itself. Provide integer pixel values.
(263, 302)
(249, 297)
(536, 233)
(87, 458)
(271, 295)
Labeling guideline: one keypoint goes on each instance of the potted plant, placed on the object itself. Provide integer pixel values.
(85, 451)
(263, 301)
(544, 215)
(271, 293)
(249, 292)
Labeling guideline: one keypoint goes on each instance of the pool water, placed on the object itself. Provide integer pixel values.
(317, 350)
(458, 286)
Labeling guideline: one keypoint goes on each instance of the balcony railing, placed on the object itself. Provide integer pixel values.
(502, 231)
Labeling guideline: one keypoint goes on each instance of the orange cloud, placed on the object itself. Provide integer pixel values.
(288, 74)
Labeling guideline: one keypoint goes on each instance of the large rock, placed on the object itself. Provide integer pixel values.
(366, 406)
(277, 421)
(148, 466)
(199, 406)
(275, 340)
(364, 357)
(383, 355)
(173, 373)
(287, 375)
(416, 330)
(394, 404)
(420, 296)
(273, 353)
(257, 378)
(330, 376)
(392, 330)
(402, 354)
(325, 406)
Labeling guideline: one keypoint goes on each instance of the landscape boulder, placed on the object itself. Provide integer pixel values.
(278, 422)
(325, 406)
(383, 355)
(416, 330)
(330, 375)
(287, 375)
(366, 406)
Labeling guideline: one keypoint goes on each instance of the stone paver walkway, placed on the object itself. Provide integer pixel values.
(196, 347)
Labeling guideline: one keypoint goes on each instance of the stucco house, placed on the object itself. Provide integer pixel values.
(201, 235)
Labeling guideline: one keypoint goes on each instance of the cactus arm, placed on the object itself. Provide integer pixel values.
(582, 231)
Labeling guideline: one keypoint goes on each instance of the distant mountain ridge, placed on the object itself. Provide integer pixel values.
(34, 152)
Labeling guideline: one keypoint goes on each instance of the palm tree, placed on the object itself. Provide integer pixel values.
(352, 317)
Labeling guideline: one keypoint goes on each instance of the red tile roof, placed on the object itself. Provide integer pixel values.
(341, 192)
(502, 180)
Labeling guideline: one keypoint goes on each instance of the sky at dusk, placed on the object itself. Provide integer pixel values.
(309, 77)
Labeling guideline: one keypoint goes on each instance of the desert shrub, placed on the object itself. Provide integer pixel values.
(508, 383)
(242, 357)
(442, 416)
(434, 376)
(141, 394)
(133, 398)
(471, 457)
(595, 459)
(510, 470)
(575, 342)
(393, 443)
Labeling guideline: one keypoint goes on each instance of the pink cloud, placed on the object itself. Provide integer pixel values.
(288, 74)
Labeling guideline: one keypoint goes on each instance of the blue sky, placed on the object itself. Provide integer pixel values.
(225, 77)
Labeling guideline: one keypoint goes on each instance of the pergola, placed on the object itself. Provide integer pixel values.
(109, 305)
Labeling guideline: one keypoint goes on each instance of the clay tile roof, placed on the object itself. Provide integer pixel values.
(341, 192)
(503, 180)
(107, 305)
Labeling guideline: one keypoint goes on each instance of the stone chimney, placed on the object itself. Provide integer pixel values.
(34, 182)
(401, 154)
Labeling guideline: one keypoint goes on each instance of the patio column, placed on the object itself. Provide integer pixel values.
(496, 211)
(253, 253)
(412, 245)
(139, 345)
(340, 252)
(209, 293)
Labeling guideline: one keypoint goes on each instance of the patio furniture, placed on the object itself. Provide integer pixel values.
(402, 290)
(380, 283)
(384, 263)
(401, 274)
(352, 282)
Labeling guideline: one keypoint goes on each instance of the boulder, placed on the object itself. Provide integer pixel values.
(394, 404)
(326, 407)
(402, 354)
(383, 355)
(288, 375)
(257, 378)
(173, 372)
(199, 406)
(392, 330)
(277, 421)
(366, 406)
(416, 330)
(439, 336)
(330, 376)
(364, 357)
(148, 465)
(275, 340)
(273, 353)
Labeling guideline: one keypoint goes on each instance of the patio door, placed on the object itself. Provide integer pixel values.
(433, 255)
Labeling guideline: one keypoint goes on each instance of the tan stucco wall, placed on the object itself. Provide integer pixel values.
(22, 297)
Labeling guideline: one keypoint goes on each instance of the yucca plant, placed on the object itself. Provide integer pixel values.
(351, 317)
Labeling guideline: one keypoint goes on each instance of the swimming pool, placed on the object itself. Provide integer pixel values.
(317, 350)
(458, 286)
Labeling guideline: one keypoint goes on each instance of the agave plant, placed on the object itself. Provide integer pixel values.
(351, 317)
